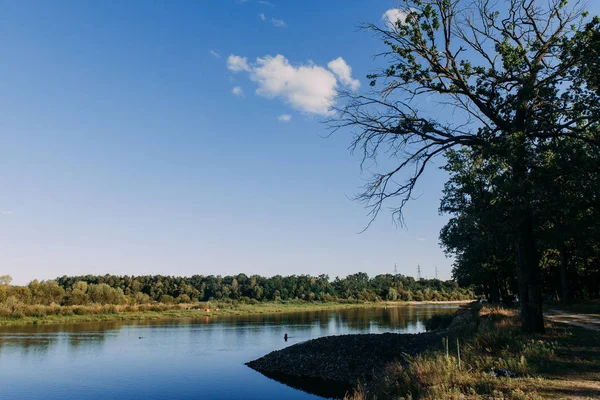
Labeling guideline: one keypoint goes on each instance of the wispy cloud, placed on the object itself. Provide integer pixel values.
(214, 53)
(237, 63)
(284, 118)
(6, 212)
(307, 87)
(266, 3)
(278, 23)
(237, 91)
(421, 239)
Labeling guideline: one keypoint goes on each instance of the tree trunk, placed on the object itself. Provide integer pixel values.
(565, 297)
(530, 290)
(595, 280)
(528, 260)
(504, 294)
(494, 299)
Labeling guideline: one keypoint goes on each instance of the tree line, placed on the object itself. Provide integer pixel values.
(119, 290)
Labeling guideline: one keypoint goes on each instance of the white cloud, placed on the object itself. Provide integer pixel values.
(278, 23)
(285, 117)
(262, 16)
(421, 239)
(391, 17)
(237, 91)
(309, 88)
(265, 3)
(214, 53)
(237, 63)
(344, 73)
(6, 212)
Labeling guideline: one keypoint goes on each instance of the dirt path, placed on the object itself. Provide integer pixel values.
(580, 320)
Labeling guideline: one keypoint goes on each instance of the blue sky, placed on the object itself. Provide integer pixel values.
(131, 142)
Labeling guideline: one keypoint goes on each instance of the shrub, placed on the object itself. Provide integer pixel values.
(184, 298)
(166, 299)
(35, 311)
(65, 311)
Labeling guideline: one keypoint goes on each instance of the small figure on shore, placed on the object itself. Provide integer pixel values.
(285, 337)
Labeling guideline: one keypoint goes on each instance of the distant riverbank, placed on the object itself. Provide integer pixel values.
(55, 314)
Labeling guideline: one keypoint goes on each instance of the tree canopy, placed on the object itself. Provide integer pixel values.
(132, 290)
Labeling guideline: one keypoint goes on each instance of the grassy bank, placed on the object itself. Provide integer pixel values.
(562, 363)
(55, 314)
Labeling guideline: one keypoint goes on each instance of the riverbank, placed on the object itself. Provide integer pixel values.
(337, 363)
(497, 360)
(33, 315)
(344, 358)
(487, 357)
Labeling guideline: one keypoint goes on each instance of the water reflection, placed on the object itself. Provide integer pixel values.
(187, 358)
(316, 386)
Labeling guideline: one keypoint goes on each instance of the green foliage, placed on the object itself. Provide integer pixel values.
(104, 294)
(46, 292)
(566, 220)
(166, 299)
(79, 292)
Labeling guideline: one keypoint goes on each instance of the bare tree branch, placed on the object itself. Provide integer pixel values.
(501, 66)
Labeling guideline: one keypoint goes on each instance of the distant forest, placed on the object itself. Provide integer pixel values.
(111, 289)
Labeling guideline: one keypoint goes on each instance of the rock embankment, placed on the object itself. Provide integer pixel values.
(344, 358)
(334, 362)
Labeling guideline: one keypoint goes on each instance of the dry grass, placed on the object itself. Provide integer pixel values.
(22, 314)
(357, 394)
(498, 313)
(564, 363)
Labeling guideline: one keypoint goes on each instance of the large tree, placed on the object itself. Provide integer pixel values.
(511, 74)
(565, 177)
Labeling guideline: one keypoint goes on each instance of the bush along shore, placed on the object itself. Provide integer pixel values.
(94, 297)
(21, 314)
(482, 355)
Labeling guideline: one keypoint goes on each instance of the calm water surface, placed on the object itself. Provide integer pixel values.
(183, 359)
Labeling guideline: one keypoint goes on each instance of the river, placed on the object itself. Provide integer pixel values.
(177, 359)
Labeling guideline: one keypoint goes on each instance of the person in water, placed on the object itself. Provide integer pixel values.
(285, 337)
